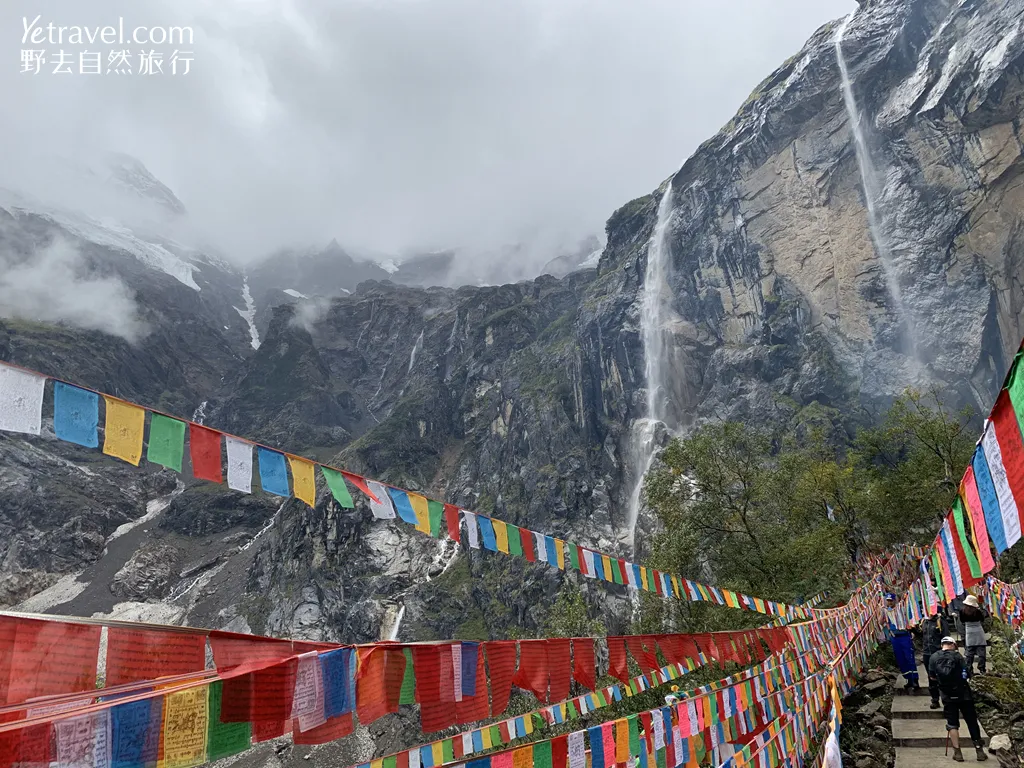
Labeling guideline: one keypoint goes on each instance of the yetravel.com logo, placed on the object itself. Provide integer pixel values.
(104, 49)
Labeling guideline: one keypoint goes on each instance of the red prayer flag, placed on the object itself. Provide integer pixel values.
(526, 538)
(50, 657)
(146, 654)
(451, 517)
(560, 666)
(334, 729)
(560, 751)
(371, 684)
(584, 665)
(262, 697)
(474, 708)
(648, 661)
(204, 448)
(501, 668)
(617, 666)
(265, 731)
(360, 483)
(532, 674)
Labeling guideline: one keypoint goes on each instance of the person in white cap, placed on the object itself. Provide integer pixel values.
(947, 667)
(971, 616)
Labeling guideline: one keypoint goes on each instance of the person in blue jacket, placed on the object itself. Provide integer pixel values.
(902, 645)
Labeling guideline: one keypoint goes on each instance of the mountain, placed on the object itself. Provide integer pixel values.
(853, 230)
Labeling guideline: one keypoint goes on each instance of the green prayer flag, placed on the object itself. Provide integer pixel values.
(965, 540)
(538, 721)
(660, 758)
(1016, 389)
(574, 556)
(390, 762)
(336, 482)
(448, 750)
(496, 735)
(436, 512)
(633, 687)
(408, 694)
(616, 572)
(570, 710)
(634, 736)
(515, 543)
(937, 576)
(166, 442)
(224, 739)
(542, 754)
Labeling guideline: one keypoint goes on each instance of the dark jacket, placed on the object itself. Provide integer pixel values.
(974, 632)
(931, 636)
(954, 687)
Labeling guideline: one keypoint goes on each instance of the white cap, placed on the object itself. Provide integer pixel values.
(947, 640)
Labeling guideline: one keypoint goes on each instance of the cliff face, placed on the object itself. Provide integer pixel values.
(807, 264)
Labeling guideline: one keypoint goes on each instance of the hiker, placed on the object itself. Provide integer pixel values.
(971, 616)
(932, 645)
(947, 667)
(902, 646)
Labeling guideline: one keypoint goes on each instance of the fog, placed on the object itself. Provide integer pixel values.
(395, 125)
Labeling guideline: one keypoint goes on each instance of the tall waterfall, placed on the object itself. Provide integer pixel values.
(655, 313)
(872, 190)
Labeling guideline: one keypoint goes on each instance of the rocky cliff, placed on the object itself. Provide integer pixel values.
(853, 230)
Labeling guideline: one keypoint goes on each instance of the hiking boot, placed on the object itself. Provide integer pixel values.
(958, 756)
(981, 752)
(935, 704)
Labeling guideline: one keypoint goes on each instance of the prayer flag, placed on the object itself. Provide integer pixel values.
(1007, 502)
(76, 415)
(972, 501)
(964, 540)
(185, 728)
(583, 663)
(204, 450)
(403, 506)
(532, 674)
(135, 730)
(166, 442)
(989, 500)
(526, 539)
(515, 539)
(435, 511)
(422, 511)
(123, 428)
(303, 479)
(223, 739)
(382, 508)
(273, 472)
(487, 533)
(239, 464)
(336, 482)
(472, 531)
(21, 400)
(451, 516)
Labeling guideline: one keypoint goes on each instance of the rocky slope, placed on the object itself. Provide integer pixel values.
(808, 265)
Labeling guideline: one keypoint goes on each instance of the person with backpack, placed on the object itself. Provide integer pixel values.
(947, 667)
(932, 645)
(972, 615)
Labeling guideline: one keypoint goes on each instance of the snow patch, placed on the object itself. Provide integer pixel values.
(154, 508)
(295, 294)
(249, 314)
(199, 416)
(389, 266)
(63, 590)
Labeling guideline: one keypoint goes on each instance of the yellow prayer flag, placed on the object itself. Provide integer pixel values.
(437, 749)
(643, 579)
(485, 735)
(607, 563)
(622, 741)
(422, 512)
(560, 552)
(123, 430)
(303, 479)
(500, 535)
(528, 722)
(378, 763)
(185, 726)
(523, 757)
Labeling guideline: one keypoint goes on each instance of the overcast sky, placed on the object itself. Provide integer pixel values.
(403, 124)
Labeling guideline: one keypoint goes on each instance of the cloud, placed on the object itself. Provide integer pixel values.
(406, 124)
(54, 285)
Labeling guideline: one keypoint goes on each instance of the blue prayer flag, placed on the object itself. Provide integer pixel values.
(338, 668)
(989, 501)
(487, 533)
(135, 730)
(76, 415)
(427, 757)
(478, 741)
(403, 506)
(470, 652)
(549, 543)
(599, 566)
(596, 746)
(273, 472)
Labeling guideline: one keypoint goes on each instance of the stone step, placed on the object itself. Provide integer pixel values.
(916, 757)
(926, 733)
(914, 708)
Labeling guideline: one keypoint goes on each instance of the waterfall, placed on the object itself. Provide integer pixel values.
(391, 632)
(872, 188)
(415, 351)
(655, 312)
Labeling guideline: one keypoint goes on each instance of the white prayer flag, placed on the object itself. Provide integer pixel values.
(541, 546)
(1007, 503)
(577, 750)
(308, 696)
(382, 510)
(588, 561)
(239, 465)
(457, 667)
(471, 529)
(21, 400)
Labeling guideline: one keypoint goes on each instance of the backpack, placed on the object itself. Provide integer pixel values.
(949, 672)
